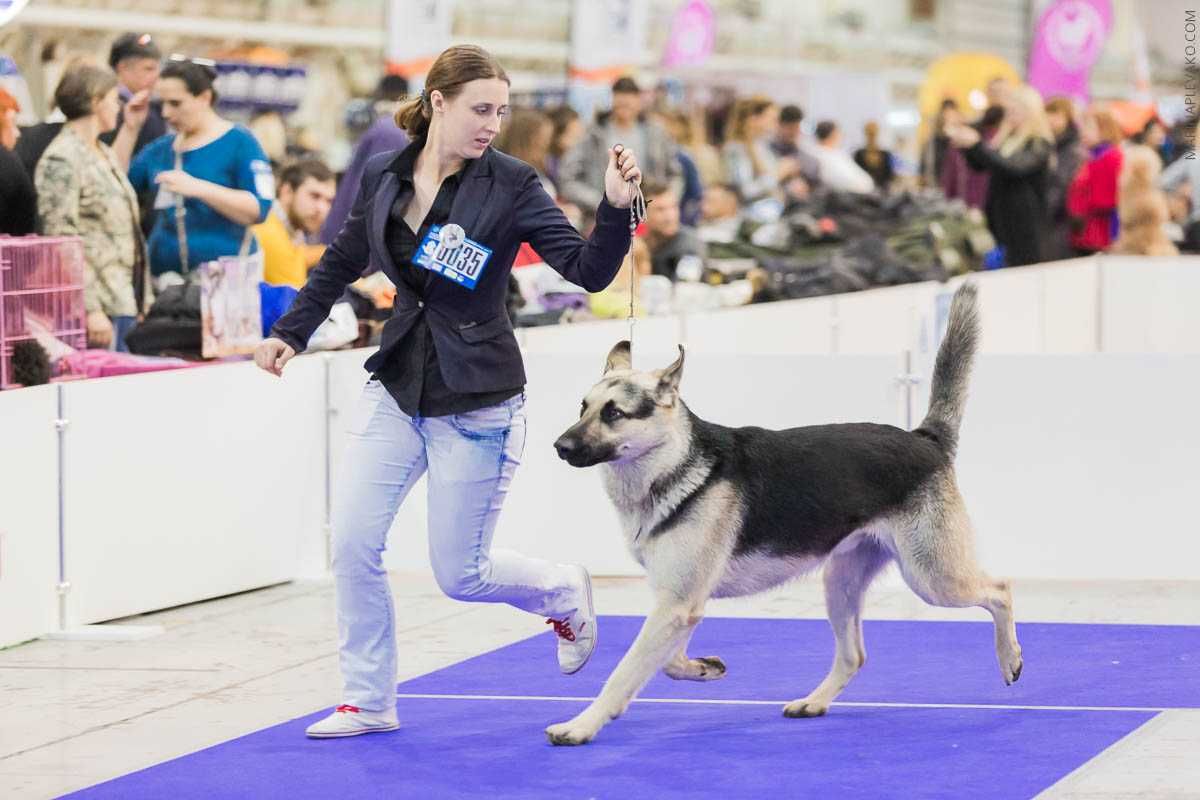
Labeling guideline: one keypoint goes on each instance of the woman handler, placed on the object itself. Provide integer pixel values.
(444, 219)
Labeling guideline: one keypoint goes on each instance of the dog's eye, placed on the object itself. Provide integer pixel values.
(611, 413)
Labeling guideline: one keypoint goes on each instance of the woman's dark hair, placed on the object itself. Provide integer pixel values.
(197, 77)
(455, 67)
(562, 117)
(80, 85)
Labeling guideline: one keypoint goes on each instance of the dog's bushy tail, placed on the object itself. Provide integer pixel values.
(948, 394)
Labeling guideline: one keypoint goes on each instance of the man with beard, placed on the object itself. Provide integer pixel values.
(302, 202)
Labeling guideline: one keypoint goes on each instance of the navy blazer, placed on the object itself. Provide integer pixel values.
(500, 204)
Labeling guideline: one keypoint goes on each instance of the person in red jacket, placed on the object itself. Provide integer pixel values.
(1092, 197)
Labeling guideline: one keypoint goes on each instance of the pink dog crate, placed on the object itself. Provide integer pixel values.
(41, 288)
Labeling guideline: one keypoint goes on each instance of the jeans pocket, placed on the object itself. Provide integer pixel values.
(485, 423)
(364, 409)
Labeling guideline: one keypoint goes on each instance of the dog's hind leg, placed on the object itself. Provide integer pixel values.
(665, 630)
(936, 557)
(848, 573)
(682, 668)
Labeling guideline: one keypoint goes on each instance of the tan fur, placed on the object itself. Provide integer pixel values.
(1142, 207)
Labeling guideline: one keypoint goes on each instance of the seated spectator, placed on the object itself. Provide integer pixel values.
(527, 135)
(676, 126)
(383, 135)
(720, 215)
(874, 160)
(568, 130)
(750, 163)
(668, 240)
(83, 191)
(582, 170)
(18, 201)
(211, 177)
(1142, 206)
(838, 170)
(688, 132)
(788, 143)
(1092, 196)
(305, 195)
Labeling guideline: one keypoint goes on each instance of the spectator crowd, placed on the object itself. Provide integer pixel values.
(747, 202)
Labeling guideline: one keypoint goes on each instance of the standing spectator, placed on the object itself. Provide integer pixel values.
(306, 190)
(750, 163)
(82, 191)
(933, 154)
(383, 135)
(18, 201)
(1069, 155)
(1142, 207)
(1154, 135)
(787, 143)
(668, 239)
(874, 160)
(212, 170)
(959, 181)
(1017, 161)
(135, 59)
(838, 170)
(583, 167)
(1092, 196)
(568, 130)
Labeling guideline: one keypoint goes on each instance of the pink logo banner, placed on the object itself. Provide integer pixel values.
(693, 32)
(1069, 37)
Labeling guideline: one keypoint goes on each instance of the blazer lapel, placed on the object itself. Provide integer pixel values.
(473, 194)
(385, 196)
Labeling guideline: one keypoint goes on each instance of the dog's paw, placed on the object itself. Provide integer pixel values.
(570, 733)
(1010, 667)
(707, 668)
(803, 708)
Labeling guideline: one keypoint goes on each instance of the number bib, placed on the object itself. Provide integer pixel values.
(447, 251)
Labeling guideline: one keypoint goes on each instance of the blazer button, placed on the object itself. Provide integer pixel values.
(420, 304)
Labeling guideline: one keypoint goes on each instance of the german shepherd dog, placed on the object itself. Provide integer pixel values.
(711, 511)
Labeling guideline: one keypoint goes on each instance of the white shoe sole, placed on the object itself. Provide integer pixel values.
(359, 732)
(591, 609)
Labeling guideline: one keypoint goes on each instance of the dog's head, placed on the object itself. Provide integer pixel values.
(626, 414)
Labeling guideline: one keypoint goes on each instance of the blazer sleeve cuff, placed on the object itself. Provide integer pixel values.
(608, 214)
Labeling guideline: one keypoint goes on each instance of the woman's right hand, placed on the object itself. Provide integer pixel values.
(99, 330)
(272, 354)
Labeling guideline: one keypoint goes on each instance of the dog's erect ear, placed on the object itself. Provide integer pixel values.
(668, 379)
(620, 357)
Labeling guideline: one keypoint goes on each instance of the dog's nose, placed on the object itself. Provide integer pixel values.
(565, 447)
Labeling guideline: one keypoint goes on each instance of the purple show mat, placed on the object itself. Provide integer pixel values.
(451, 748)
(1154, 666)
(492, 748)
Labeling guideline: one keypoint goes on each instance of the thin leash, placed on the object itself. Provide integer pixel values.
(637, 213)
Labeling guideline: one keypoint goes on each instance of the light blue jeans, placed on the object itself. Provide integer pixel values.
(470, 459)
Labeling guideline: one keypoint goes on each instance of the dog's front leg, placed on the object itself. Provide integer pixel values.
(663, 632)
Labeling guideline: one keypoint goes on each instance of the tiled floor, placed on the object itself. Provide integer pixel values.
(77, 713)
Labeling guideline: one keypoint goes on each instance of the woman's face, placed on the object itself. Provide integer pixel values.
(763, 123)
(182, 110)
(1058, 121)
(571, 135)
(106, 109)
(470, 121)
(1014, 110)
(1089, 131)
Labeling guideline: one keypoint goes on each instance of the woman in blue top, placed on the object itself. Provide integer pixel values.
(216, 169)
